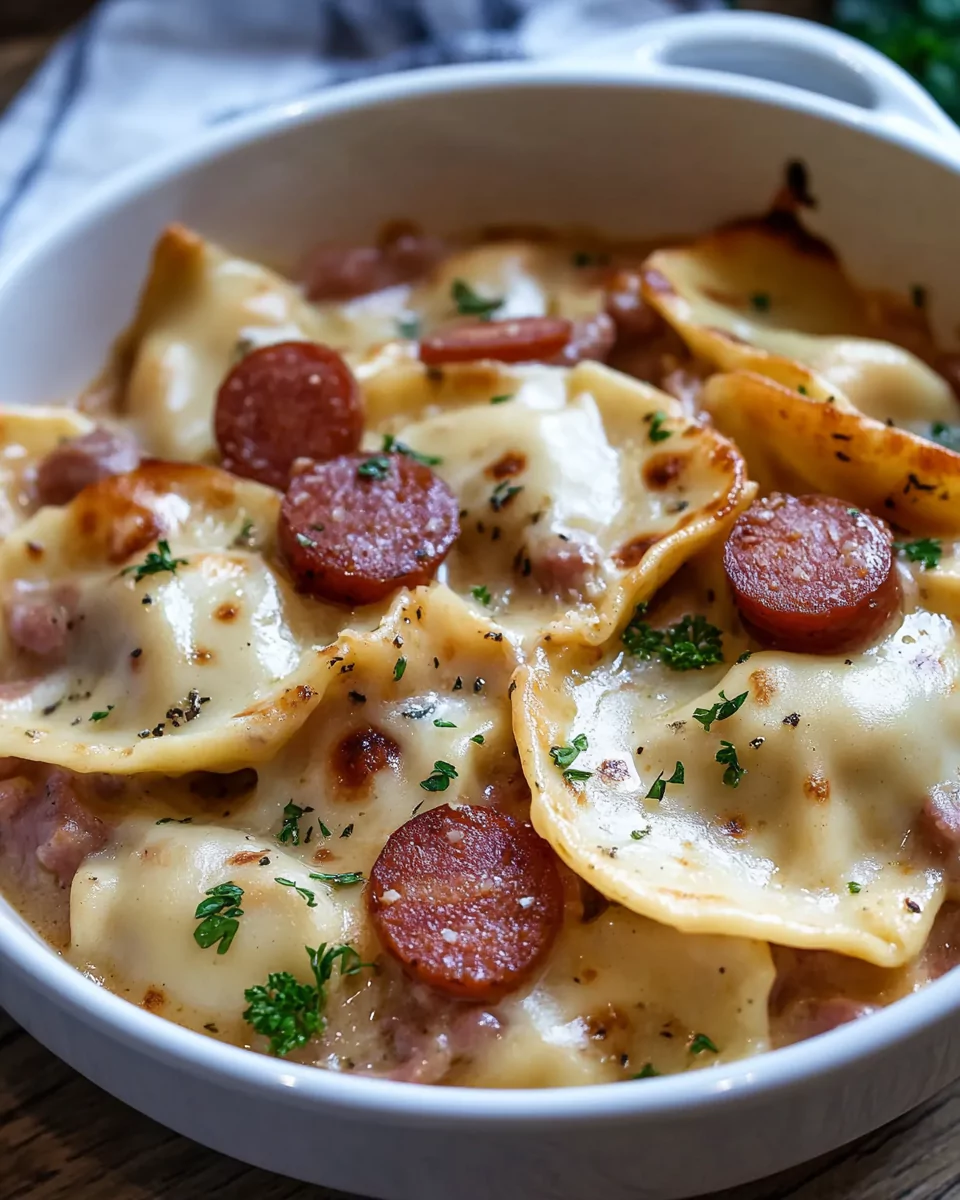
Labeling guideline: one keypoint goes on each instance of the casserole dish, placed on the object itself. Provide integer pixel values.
(685, 124)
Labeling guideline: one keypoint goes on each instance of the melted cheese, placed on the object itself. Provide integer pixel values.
(571, 512)
(132, 921)
(28, 435)
(796, 443)
(225, 625)
(621, 993)
(763, 298)
(839, 756)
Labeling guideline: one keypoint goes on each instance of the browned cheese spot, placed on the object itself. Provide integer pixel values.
(361, 754)
(508, 465)
(662, 470)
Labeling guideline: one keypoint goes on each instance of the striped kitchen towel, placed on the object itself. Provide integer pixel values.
(138, 75)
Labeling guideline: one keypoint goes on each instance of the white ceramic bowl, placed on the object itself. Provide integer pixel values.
(679, 126)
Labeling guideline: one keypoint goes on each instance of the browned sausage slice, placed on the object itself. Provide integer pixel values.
(283, 402)
(524, 339)
(66, 471)
(812, 574)
(358, 527)
(468, 899)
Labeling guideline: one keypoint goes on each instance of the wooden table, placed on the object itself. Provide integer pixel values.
(61, 1138)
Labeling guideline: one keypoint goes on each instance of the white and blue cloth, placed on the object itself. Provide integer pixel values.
(138, 75)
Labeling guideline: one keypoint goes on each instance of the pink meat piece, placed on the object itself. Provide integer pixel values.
(562, 565)
(592, 338)
(46, 821)
(38, 618)
(73, 466)
(343, 272)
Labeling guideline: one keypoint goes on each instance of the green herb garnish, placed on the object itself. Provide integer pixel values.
(290, 1013)
(659, 785)
(340, 879)
(398, 669)
(503, 493)
(639, 834)
(444, 724)
(439, 778)
(727, 756)
(700, 1043)
(689, 645)
(481, 592)
(760, 302)
(657, 433)
(501, 399)
(946, 435)
(390, 443)
(290, 832)
(647, 1071)
(301, 891)
(470, 304)
(853, 888)
(563, 756)
(102, 714)
(156, 561)
(926, 551)
(219, 917)
(408, 326)
(720, 711)
(376, 467)
(478, 738)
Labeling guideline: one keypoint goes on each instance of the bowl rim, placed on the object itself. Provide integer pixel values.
(743, 1082)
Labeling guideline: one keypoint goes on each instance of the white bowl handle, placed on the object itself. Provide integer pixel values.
(782, 54)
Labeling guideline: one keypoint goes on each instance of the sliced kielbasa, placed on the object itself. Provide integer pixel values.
(523, 339)
(635, 320)
(334, 272)
(468, 900)
(812, 574)
(283, 402)
(590, 338)
(357, 527)
(76, 464)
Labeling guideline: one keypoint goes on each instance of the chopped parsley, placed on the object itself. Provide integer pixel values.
(657, 433)
(324, 831)
(564, 756)
(659, 785)
(744, 656)
(926, 551)
(444, 724)
(470, 304)
(102, 714)
(720, 711)
(408, 326)
(439, 778)
(481, 592)
(290, 1013)
(375, 467)
(398, 669)
(156, 561)
(347, 831)
(689, 645)
(219, 917)
(701, 1042)
(503, 493)
(340, 879)
(178, 820)
(727, 756)
(478, 738)
(309, 896)
(290, 832)
(501, 399)
(760, 302)
(946, 435)
(247, 536)
(853, 888)
(571, 775)
(640, 834)
(647, 1071)
(390, 443)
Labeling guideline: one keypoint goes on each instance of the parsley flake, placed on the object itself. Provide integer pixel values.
(102, 714)
(478, 738)
(398, 669)
(481, 592)
(470, 304)
(444, 724)
(640, 834)
(290, 1013)
(290, 832)
(700, 1043)
(408, 326)
(659, 785)
(247, 537)
(340, 879)
(503, 493)
(390, 443)
(439, 778)
(375, 467)
(946, 435)
(853, 888)
(647, 1071)
(307, 895)
(219, 917)
(727, 756)
(657, 433)
(760, 302)
(689, 645)
(501, 399)
(926, 551)
(571, 775)
(564, 756)
(156, 561)
(720, 711)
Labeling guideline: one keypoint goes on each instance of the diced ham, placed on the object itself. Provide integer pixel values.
(38, 618)
(333, 272)
(73, 466)
(45, 820)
